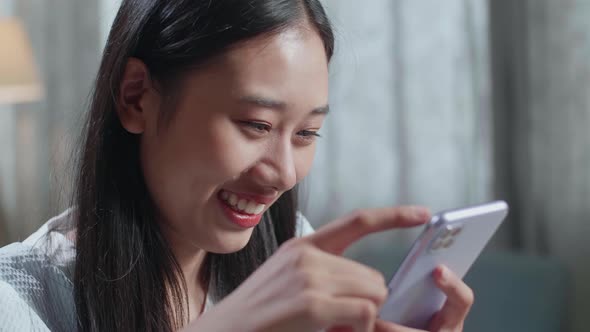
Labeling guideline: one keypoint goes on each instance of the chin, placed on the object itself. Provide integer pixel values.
(230, 243)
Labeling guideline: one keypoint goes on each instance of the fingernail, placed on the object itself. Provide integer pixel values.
(440, 273)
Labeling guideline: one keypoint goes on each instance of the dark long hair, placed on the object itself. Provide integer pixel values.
(125, 276)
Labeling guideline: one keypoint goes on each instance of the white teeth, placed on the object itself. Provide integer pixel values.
(224, 195)
(251, 207)
(242, 204)
(233, 199)
(248, 206)
(259, 208)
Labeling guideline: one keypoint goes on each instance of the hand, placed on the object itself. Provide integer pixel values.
(307, 286)
(452, 315)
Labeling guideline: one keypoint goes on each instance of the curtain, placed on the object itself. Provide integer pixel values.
(35, 148)
(411, 120)
(542, 82)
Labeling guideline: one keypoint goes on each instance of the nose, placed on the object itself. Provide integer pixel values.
(276, 168)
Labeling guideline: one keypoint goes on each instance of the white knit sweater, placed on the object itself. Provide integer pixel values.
(36, 290)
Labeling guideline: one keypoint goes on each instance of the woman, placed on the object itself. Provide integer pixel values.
(204, 118)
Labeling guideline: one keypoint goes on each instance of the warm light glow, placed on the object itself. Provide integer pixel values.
(19, 79)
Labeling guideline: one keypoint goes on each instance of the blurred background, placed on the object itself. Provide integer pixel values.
(440, 103)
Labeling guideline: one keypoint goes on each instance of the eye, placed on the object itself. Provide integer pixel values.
(308, 136)
(309, 133)
(257, 126)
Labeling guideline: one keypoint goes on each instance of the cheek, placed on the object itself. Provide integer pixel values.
(185, 164)
(192, 156)
(304, 161)
(228, 153)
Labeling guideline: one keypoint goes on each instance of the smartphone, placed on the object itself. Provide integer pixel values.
(454, 238)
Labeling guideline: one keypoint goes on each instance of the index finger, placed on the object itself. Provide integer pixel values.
(338, 235)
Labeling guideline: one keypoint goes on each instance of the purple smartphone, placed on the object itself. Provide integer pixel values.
(454, 238)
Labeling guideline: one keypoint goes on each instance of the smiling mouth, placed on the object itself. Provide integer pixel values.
(240, 204)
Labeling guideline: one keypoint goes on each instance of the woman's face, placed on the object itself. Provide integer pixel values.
(242, 133)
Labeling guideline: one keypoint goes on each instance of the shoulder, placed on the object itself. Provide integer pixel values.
(15, 313)
(303, 227)
(34, 280)
(45, 246)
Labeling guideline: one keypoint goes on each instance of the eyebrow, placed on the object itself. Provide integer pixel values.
(277, 104)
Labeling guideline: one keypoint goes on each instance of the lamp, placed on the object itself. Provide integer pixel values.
(19, 79)
(19, 83)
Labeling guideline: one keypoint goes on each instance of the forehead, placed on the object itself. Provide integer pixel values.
(289, 66)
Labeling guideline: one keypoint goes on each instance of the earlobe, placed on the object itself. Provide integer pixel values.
(134, 88)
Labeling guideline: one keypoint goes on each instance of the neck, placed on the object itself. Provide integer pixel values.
(191, 264)
(192, 268)
(190, 260)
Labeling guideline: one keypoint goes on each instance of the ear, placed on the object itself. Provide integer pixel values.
(134, 100)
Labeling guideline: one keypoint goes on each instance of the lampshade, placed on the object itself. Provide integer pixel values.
(19, 79)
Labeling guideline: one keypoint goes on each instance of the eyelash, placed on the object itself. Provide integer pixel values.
(309, 134)
(264, 127)
(258, 126)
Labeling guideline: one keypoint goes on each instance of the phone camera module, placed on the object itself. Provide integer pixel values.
(446, 237)
(448, 242)
(437, 244)
(456, 230)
